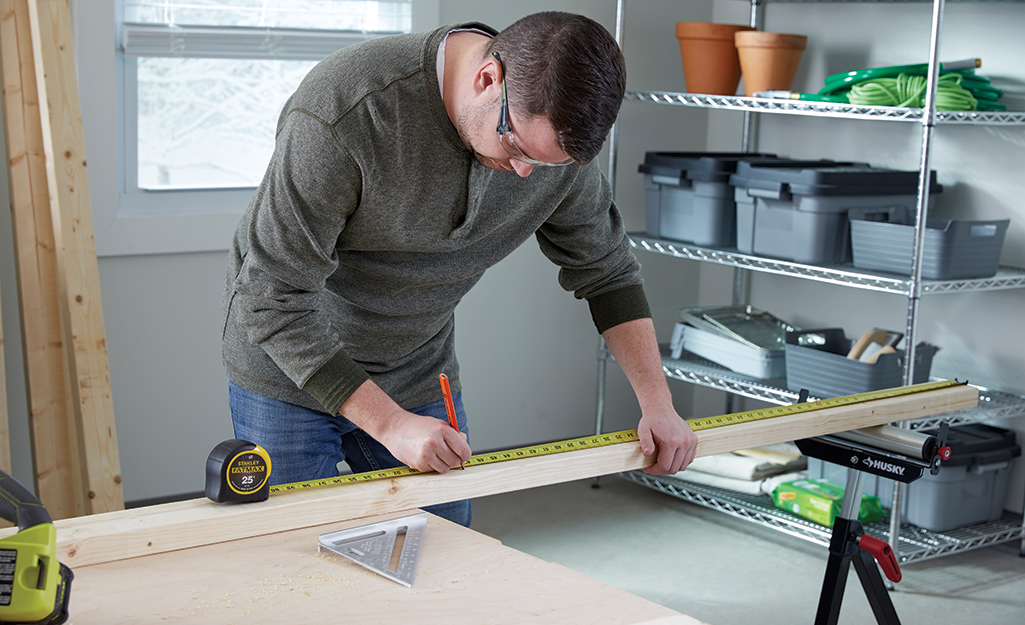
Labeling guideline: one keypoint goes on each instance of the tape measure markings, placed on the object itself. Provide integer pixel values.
(625, 436)
(544, 449)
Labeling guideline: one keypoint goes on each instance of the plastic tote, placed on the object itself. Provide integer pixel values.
(800, 213)
(688, 196)
(951, 249)
(817, 360)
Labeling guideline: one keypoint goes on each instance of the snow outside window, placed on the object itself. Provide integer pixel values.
(204, 82)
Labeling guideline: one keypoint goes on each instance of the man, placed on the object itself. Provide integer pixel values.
(403, 168)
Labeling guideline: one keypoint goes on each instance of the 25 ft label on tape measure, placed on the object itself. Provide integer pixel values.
(238, 470)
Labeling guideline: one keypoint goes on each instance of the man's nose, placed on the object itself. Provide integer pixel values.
(521, 168)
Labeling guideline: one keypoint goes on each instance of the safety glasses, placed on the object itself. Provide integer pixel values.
(505, 135)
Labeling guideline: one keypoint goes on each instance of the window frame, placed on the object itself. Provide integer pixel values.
(127, 220)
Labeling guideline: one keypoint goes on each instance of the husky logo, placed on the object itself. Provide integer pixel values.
(879, 465)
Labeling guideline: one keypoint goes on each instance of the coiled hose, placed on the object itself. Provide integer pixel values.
(909, 90)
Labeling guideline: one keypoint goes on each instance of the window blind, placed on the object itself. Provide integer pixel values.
(235, 42)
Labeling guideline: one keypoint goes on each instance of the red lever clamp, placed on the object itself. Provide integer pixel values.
(883, 554)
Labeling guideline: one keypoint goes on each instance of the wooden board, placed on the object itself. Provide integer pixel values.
(89, 400)
(156, 529)
(463, 578)
(36, 266)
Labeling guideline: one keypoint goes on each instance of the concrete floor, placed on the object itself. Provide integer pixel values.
(726, 571)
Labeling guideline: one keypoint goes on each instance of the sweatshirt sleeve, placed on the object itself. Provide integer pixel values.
(586, 238)
(309, 190)
(612, 308)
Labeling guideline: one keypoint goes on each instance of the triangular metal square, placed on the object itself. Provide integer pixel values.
(389, 548)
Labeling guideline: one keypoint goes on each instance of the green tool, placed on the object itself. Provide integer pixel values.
(34, 586)
(958, 89)
(843, 80)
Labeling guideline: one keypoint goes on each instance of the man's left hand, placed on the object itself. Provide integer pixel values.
(668, 437)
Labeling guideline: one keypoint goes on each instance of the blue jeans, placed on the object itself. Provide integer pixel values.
(306, 444)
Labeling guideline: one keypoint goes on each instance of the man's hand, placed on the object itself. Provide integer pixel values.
(662, 432)
(670, 439)
(424, 443)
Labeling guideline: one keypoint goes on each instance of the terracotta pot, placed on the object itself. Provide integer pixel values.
(769, 60)
(709, 55)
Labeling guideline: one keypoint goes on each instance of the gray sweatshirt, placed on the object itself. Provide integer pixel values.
(373, 220)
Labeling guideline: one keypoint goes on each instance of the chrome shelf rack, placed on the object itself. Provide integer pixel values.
(695, 370)
(826, 109)
(910, 543)
(915, 543)
(844, 275)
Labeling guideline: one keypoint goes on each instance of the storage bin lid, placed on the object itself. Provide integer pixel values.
(703, 166)
(829, 178)
(744, 325)
(980, 444)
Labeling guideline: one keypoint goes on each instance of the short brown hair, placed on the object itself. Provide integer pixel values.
(568, 69)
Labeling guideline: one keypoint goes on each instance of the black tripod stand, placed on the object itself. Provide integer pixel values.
(849, 543)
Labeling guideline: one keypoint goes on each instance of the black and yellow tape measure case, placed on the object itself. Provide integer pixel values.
(34, 586)
(237, 470)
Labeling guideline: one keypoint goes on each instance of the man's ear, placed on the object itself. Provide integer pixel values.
(488, 77)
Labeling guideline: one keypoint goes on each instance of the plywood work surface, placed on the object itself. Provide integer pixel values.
(463, 578)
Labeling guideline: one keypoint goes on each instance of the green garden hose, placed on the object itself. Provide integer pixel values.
(907, 90)
(959, 88)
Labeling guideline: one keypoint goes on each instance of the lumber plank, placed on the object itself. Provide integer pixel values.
(32, 227)
(156, 529)
(89, 400)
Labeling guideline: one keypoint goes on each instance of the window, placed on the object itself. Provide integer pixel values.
(186, 103)
(207, 78)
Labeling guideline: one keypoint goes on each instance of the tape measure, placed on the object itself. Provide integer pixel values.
(600, 440)
(237, 470)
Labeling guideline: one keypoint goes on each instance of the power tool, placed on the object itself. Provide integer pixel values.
(34, 586)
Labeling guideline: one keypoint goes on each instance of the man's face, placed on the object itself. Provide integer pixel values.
(534, 137)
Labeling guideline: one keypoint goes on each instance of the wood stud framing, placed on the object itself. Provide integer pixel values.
(76, 462)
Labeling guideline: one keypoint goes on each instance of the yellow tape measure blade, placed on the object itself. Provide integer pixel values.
(544, 449)
(749, 416)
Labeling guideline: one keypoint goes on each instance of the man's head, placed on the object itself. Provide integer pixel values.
(567, 69)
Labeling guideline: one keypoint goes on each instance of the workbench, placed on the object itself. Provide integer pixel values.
(463, 577)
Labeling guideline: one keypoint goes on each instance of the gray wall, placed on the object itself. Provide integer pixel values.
(527, 348)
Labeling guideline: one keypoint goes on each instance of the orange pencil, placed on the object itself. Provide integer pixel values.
(450, 406)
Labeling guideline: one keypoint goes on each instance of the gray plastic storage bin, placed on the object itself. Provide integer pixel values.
(800, 213)
(816, 360)
(970, 487)
(734, 355)
(688, 197)
(885, 241)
